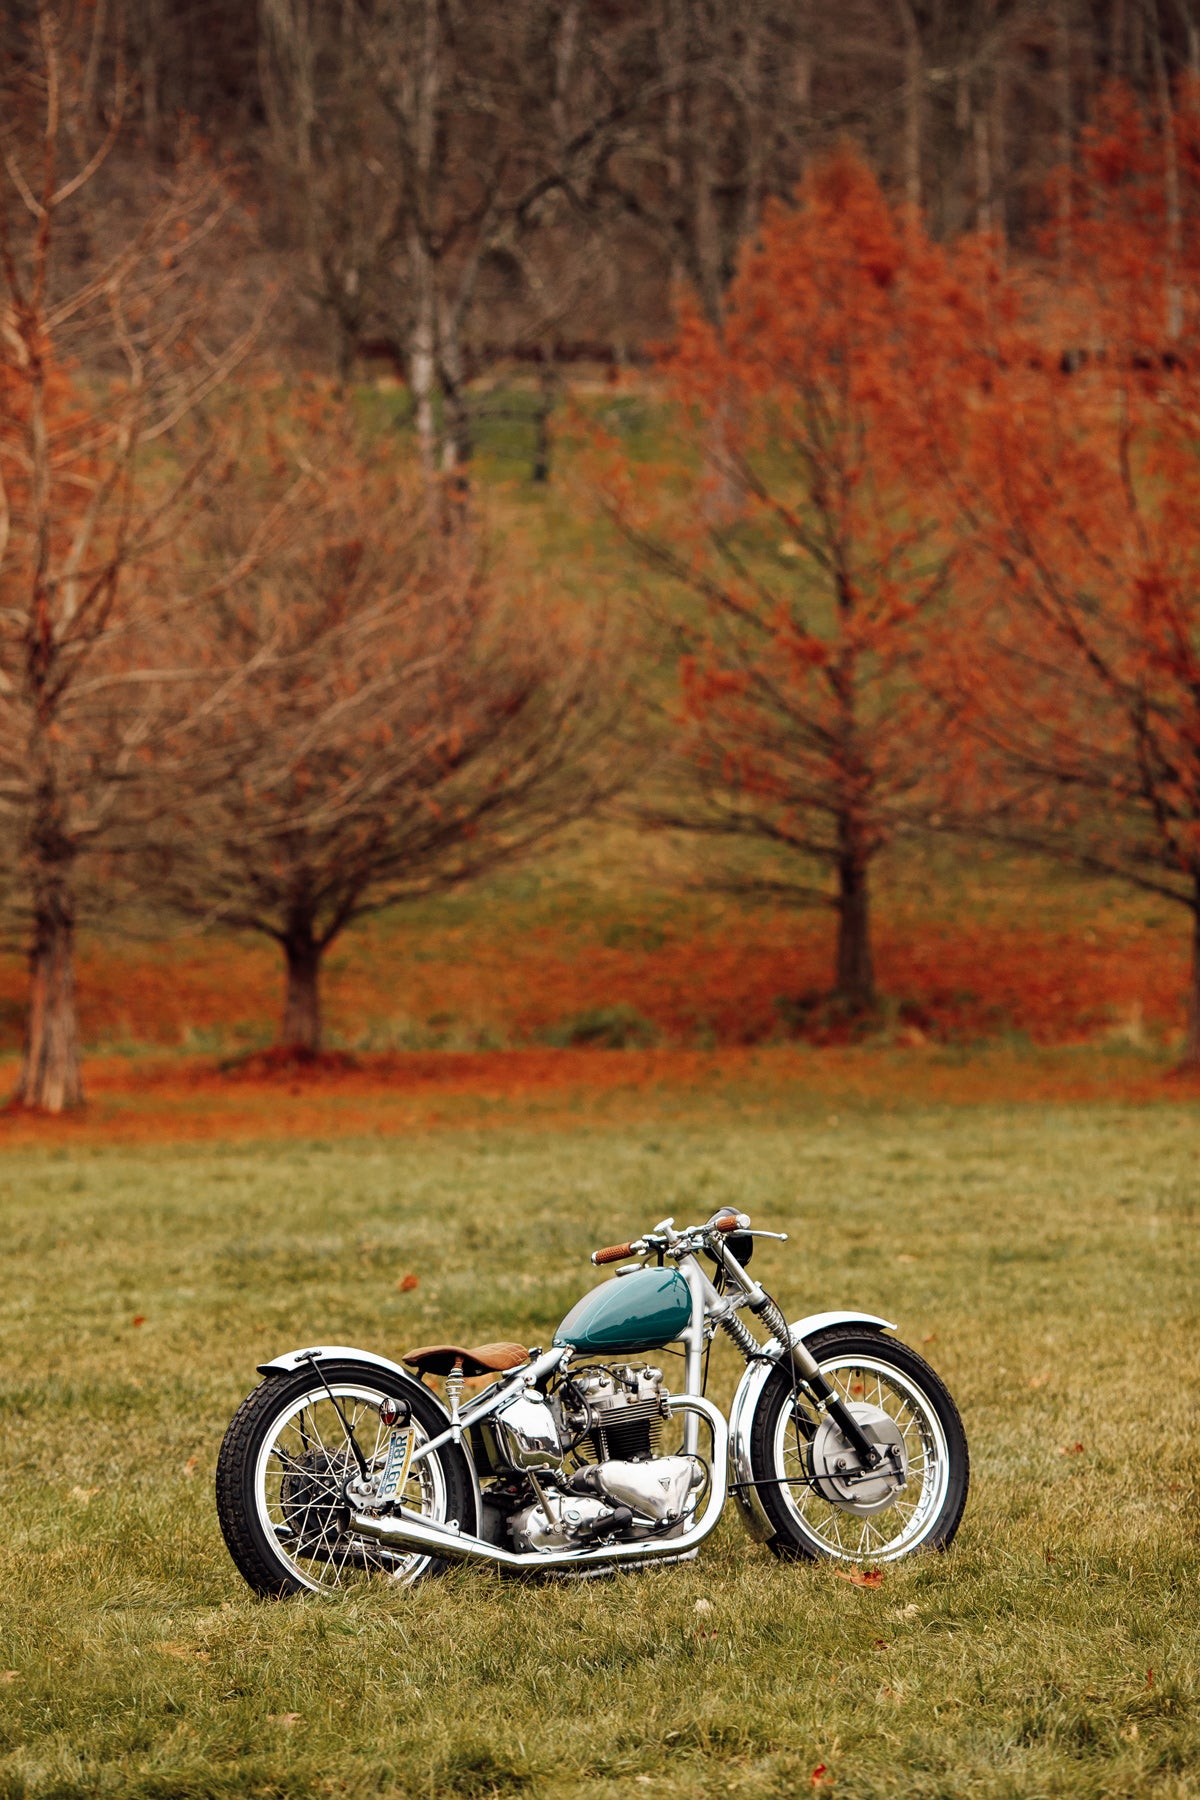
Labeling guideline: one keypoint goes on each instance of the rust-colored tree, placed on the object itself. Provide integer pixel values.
(401, 729)
(102, 351)
(1081, 677)
(800, 627)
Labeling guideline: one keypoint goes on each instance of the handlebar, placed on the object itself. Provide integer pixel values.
(666, 1239)
(612, 1253)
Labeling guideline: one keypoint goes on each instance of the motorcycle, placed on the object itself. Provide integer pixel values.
(841, 1442)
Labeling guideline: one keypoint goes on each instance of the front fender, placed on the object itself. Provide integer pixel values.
(745, 1405)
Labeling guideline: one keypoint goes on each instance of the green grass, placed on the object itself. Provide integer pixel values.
(1048, 1255)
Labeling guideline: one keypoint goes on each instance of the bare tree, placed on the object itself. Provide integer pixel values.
(104, 348)
(389, 118)
(404, 728)
(421, 146)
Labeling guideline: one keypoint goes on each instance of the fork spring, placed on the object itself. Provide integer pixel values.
(741, 1334)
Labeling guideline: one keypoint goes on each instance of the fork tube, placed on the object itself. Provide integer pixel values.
(694, 1344)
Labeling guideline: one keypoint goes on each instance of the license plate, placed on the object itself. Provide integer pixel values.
(395, 1470)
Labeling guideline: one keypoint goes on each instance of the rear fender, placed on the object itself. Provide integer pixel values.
(745, 1405)
(293, 1361)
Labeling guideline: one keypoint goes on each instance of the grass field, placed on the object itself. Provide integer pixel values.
(1043, 1258)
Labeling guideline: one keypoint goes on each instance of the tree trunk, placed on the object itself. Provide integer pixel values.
(543, 439)
(302, 1006)
(457, 437)
(1191, 1043)
(983, 171)
(672, 33)
(50, 1077)
(1066, 134)
(1116, 42)
(998, 157)
(855, 984)
(422, 125)
(914, 99)
(1173, 296)
(724, 496)
(422, 366)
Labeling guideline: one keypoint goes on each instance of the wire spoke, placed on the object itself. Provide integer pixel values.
(303, 1468)
(904, 1522)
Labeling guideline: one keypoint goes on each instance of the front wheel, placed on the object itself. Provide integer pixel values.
(807, 1479)
(283, 1469)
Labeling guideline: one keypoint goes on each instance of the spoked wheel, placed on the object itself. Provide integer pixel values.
(283, 1469)
(811, 1490)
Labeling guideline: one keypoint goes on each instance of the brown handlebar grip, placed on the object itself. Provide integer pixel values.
(727, 1222)
(612, 1253)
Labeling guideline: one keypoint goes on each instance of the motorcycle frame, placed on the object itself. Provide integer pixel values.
(731, 1469)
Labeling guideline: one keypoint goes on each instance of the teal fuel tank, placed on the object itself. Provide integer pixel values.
(629, 1314)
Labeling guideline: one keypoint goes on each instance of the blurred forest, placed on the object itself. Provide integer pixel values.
(439, 185)
(855, 355)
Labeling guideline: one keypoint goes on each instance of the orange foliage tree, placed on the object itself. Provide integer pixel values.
(400, 726)
(106, 341)
(1080, 673)
(801, 625)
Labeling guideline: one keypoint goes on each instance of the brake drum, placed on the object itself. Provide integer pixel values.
(834, 1465)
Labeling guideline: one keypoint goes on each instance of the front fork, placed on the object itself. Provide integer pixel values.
(706, 1301)
(822, 1390)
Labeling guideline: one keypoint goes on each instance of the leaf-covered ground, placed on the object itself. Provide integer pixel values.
(970, 947)
(1043, 1258)
(687, 975)
(151, 1099)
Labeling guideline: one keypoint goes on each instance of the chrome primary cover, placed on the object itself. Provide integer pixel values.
(535, 1529)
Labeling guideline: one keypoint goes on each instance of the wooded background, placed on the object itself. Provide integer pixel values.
(911, 547)
(441, 184)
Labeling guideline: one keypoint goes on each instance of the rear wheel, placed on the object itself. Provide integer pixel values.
(283, 1468)
(819, 1503)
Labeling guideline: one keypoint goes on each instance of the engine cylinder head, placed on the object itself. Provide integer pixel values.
(619, 1412)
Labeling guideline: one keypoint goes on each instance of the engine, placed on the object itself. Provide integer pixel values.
(615, 1412)
(609, 1422)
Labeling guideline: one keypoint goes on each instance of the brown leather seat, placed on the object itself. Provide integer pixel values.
(484, 1359)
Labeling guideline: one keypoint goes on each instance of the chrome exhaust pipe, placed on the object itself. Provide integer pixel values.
(410, 1531)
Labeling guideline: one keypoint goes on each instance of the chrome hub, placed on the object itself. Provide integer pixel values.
(837, 1473)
